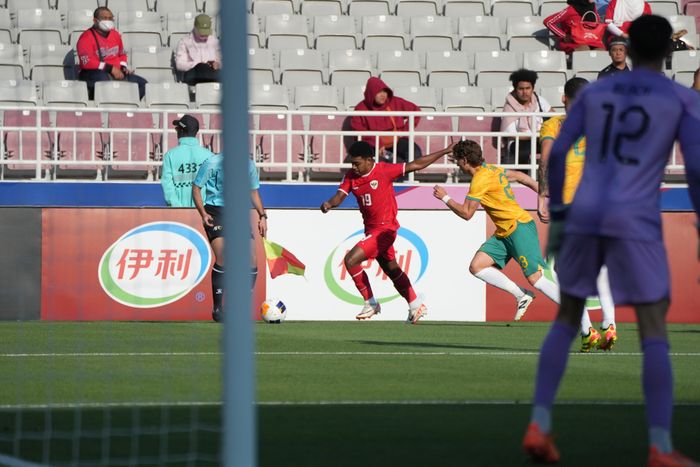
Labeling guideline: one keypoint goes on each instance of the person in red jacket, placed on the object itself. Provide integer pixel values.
(561, 22)
(379, 96)
(621, 13)
(101, 54)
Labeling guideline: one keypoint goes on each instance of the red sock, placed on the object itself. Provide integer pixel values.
(359, 277)
(404, 287)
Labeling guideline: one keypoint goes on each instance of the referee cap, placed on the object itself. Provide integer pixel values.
(188, 124)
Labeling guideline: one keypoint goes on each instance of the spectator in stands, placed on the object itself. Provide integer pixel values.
(380, 97)
(522, 98)
(696, 80)
(621, 13)
(560, 23)
(198, 54)
(617, 48)
(181, 163)
(101, 54)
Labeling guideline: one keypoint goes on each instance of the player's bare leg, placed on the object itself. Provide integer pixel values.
(484, 268)
(353, 263)
(550, 370)
(416, 307)
(217, 278)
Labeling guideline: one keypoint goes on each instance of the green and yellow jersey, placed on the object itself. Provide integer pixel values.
(491, 188)
(574, 158)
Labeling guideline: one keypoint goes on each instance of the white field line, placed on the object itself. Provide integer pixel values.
(15, 462)
(323, 354)
(329, 403)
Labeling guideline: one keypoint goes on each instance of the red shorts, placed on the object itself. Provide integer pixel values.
(379, 243)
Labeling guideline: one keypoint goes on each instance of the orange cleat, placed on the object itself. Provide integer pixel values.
(671, 459)
(539, 446)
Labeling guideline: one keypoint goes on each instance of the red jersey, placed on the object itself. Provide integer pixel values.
(375, 194)
(111, 48)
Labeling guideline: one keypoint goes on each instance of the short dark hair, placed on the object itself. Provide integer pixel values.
(361, 149)
(573, 86)
(523, 75)
(469, 150)
(650, 38)
(98, 10)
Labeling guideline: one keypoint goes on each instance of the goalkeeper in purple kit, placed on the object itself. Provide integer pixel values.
(630, 122)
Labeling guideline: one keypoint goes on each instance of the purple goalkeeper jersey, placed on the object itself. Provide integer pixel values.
(630, 122)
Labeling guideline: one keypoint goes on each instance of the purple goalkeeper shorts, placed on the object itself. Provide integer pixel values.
(638, 270)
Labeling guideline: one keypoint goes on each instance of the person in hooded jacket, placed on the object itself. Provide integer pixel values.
(561, 23)
(380, 97)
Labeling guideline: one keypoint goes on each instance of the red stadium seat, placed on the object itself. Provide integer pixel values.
(76, 141)
(481, 124)
(333, 146)
(126, 146)
(429, 144)
(19, 142)
(273, 148)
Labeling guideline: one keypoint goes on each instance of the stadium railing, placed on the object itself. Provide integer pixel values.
(63, 143)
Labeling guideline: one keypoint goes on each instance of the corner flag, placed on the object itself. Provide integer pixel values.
(281, 261)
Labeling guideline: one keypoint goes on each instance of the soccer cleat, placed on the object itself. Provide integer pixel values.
(590, 341)
(609, 338)
(368, 311)
(539, 446)
(523, 303)
(671, 459)
(418, 313)
(216, 314)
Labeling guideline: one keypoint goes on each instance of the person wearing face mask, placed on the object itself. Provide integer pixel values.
(198, 54)
(102, 56)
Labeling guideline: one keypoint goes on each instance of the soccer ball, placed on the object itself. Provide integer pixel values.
(273, 311)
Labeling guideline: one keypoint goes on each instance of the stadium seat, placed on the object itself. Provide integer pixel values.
(6, 27)
(550, 66)
(316, 97)
(167, 7)
(328, 148)
(210, 7)
(589, 76)
(286, 32)
(77, 22)
(553, 95)
(497, 96)
(399, 67)
(589, 60)
(684, 77)
(383, 33)
(139, 39)
(65, 6)
(685, 60)
(138, 21)
(75, 144)
(19, 142)
(479, 34)
(118, 6)
(459, 8)
(116, 94)
(527, 33)
(349, 67)
(273, 148)
(458, 98)
(506, 8)
(207, 95)
(301, 67)
(664, 8)
(353, 95)
(65, 93)
(15, 5)
(154, 64)
(368, 8)
(411, 8)
(174, 96)
(124, 147)
(431, 33)
(469, 125)
(20, 93)
(262, 67)
(50, 62)
(494, 68)
(269, 97)
(39, 26)
(180, 21)
(449, 68)
(254, 33)
(11, 62)
(264, 8)
(335, 32)
(679, 22)
(424, 97)
(429, 144)
(548, 8)
(312, 8)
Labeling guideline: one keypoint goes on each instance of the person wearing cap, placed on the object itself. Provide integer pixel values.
(198, 54)
(101, 54)
(617, 48)
(181, 163)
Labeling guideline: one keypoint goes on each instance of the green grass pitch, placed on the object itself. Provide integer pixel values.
(330, 394)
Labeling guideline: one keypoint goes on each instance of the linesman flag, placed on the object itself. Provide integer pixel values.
(281, 261)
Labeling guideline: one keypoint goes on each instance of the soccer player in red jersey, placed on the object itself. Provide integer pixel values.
(372, 184)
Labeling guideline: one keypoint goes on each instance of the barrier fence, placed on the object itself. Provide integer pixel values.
(53, 143)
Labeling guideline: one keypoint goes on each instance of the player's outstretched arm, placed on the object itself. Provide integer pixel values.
(336, 200)
(199, 204)
(425, 161)
(522, 178)
(465, 211)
